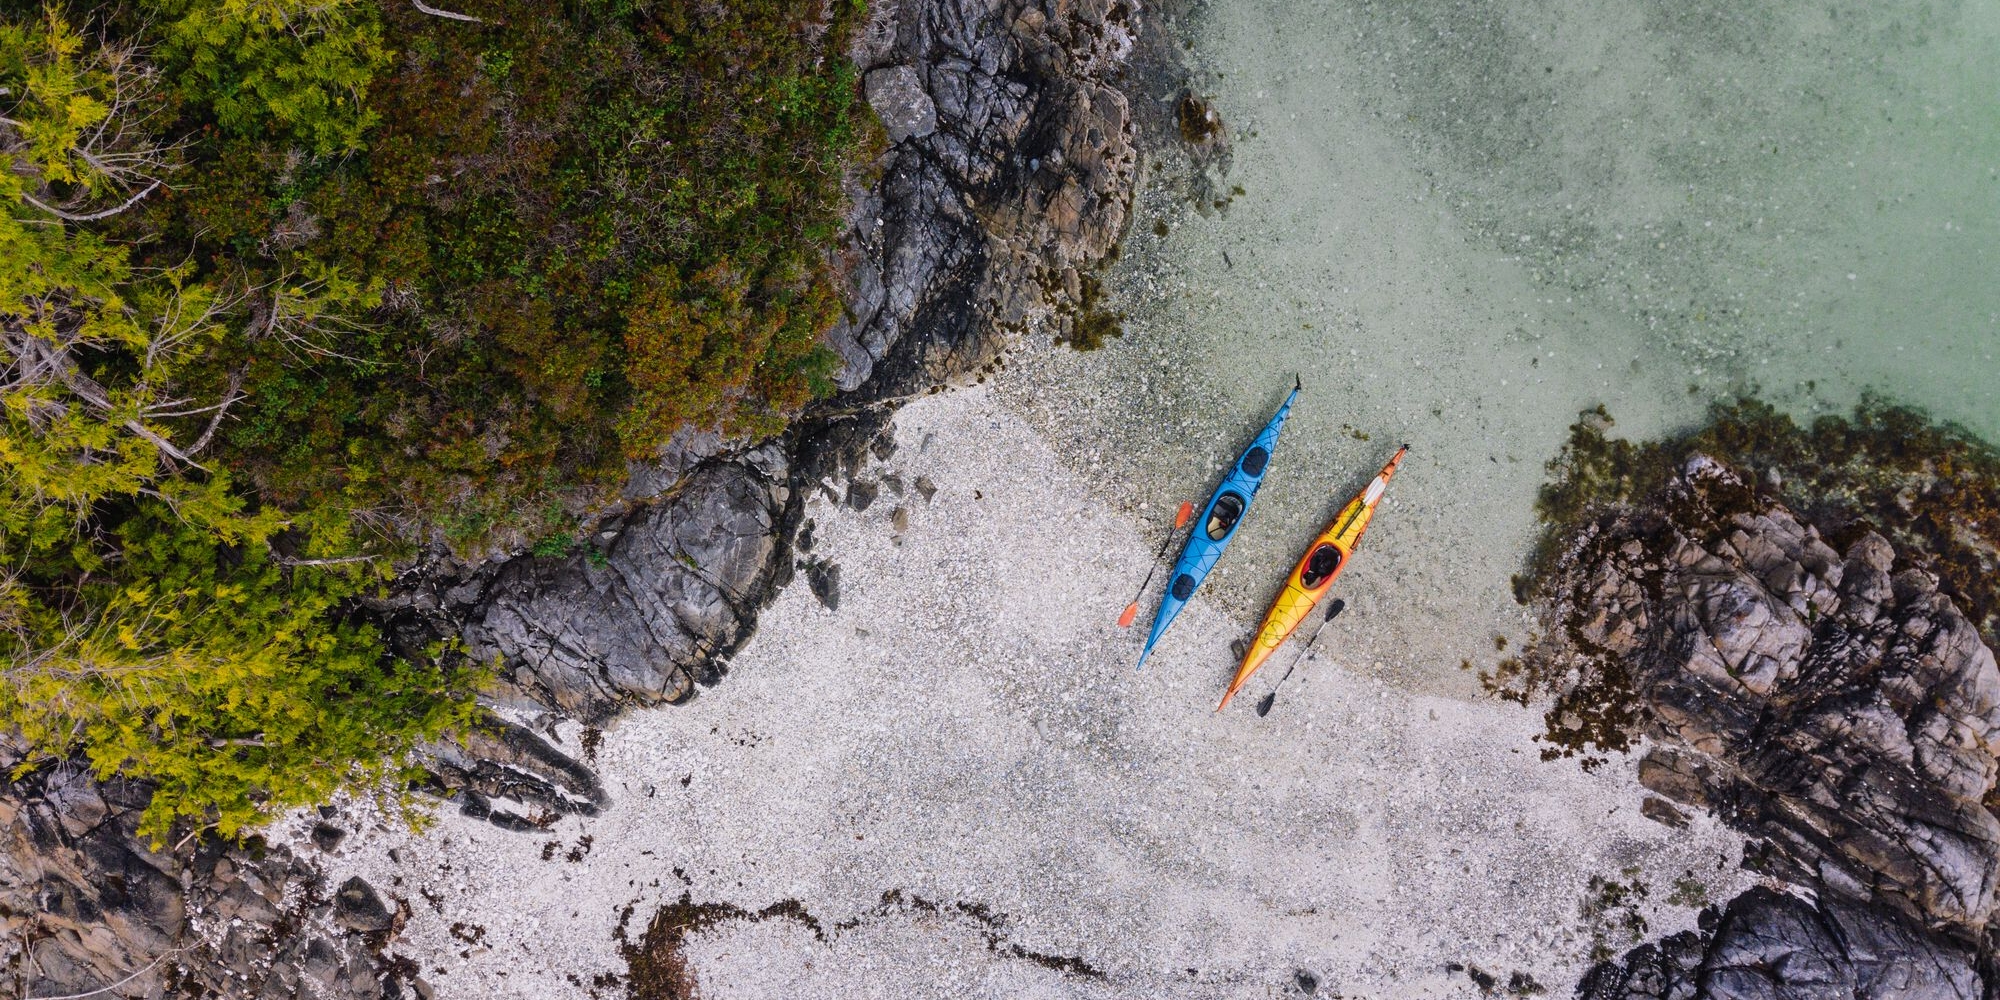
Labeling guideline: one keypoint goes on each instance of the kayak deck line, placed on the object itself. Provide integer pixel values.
(1218, 521)
(1322, 563)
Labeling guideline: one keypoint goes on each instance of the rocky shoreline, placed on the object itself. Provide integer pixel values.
(1008, 181)
(1819, 693)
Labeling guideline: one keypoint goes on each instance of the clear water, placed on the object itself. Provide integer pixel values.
(1462, 223)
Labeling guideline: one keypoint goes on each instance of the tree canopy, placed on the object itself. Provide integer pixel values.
(282, 302)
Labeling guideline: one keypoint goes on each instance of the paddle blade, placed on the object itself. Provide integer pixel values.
(1264, 706)
(1181, 518)
(1131, 612)
(1335, 608)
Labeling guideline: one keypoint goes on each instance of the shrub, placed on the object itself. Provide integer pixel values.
(296, 67)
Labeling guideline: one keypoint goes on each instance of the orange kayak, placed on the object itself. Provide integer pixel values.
(1322, 563)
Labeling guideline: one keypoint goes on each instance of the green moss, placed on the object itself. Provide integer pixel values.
(554, 546)
(1092, 325)
(1198, 123)
(1611, 914)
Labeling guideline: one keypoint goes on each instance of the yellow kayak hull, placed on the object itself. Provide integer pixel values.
(1308, 583)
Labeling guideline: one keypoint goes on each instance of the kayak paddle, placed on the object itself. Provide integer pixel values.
(1180, 521)
(1264, 707)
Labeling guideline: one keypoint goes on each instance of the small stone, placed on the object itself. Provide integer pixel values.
(897, 95)
(926, 488)
(860, 494)
(326, 836)
(824, 579)
(900, 520)
(1659, 810)
(357, 907)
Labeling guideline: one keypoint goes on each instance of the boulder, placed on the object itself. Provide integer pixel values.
(897, 95)
(1769, 945)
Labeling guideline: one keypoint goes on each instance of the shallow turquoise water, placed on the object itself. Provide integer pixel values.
(1462, 223)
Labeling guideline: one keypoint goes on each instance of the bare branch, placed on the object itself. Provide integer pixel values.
(229, 396)
(142, 970)
(93, 216)
(342, 561)
(434, 12)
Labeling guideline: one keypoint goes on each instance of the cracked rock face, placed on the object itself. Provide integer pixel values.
(897, 95)
(1820, 695)
(87, 903)
(1012, 170)
(631, 618)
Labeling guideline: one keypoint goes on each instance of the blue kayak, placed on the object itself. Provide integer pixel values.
(1218, 523)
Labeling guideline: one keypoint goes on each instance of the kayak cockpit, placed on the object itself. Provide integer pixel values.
(1320, 565)
(1223, 516)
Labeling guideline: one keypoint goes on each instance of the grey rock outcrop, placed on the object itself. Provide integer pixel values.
(631, 617)
(507, 775)
(983, 221)
(1822, 698)
(897, 95)
(88, 904)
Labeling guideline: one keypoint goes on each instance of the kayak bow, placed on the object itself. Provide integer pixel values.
(1218, 522)
(1322, 563)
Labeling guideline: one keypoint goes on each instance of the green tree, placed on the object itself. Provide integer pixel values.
(153, 618)
(299, 67)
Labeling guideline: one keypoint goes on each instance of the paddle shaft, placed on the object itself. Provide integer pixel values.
(1335, 608)
(1157, 556)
